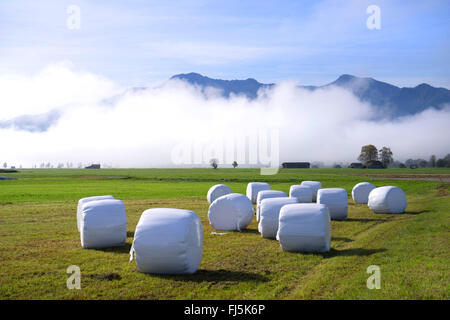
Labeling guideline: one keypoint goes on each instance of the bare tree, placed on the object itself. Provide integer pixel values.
(433, 161)
(214, 163)
(5, 165)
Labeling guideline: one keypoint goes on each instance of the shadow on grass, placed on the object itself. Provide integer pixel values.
(365, 219)
(342, 239)
(254, 231)
(351, 252)
(216, 276)
(399, 214)
(416, 212)
(105, 276)
(122, 249)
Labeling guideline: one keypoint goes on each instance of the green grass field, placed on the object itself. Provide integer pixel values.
(39, 238)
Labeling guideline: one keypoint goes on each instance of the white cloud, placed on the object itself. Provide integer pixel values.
(141, 128)
(53, 87)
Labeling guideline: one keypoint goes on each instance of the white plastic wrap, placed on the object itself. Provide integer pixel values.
(217, 191)
(315, 185)
(337, 201)
(266, 194)
(303, 193)
(269, 215)
(304, 227)
(86, 200)
(230, 212)
(360, 192)
(387, 199)
(103, 223)
(254, 187)
(168, 241)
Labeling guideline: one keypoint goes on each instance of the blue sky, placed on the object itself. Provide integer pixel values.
(139, 42)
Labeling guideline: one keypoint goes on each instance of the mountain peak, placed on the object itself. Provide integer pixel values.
(346, 77)
(423, 86)
(248, 87)
(399, 101)
(188, 76)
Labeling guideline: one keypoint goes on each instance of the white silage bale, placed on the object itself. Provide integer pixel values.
(269, 215)
(230, 212)
(387, 199)
(315, 185)
(337, 201)
(103, 224)
(254, 187)
(303, 193)
(360, 192)
(217, 191)
(266, 194)
(85, 200)
(168, 241)
(304, 227)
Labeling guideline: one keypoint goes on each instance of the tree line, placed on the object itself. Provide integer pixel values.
(370, 154)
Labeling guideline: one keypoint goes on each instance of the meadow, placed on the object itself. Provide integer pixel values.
(39, 238)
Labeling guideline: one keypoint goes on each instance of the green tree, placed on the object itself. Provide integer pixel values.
(445, 162)
(422, 163)
(234, 164)
(368, 153)
(386, 156)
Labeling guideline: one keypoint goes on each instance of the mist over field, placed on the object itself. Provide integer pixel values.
(61, 114)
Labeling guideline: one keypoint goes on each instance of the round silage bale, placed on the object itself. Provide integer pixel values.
(269, 215)
(304, 227)
(254, 187)
(267, 194)
(387, 199)
(360, 192)
(336, 200)
(315, 185)
(217, 191)
(86, 200)
(168, 241)
(103, 223)
(304, 193)
(231, 212)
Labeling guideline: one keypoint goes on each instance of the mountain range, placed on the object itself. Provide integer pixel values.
(393, 101)
(399, 101)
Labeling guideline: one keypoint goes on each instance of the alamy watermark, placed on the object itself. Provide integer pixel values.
(73, 21)
(374, 281)
(257, 148)
(374, 20)
(74, 280)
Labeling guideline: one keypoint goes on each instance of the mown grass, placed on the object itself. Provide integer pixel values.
(39, 239)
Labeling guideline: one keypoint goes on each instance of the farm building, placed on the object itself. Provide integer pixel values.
(356, 165)
(375, 164)
(286, 165)
(93, 166)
